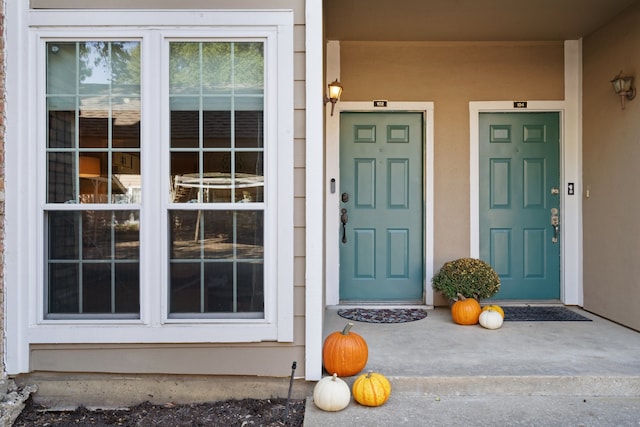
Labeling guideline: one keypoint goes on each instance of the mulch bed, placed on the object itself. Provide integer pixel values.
(241, 413)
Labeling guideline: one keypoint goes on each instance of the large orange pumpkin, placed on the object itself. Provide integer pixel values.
(345, 353)
(465, 311)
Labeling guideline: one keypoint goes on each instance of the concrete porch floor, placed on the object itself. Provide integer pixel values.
(526, 365)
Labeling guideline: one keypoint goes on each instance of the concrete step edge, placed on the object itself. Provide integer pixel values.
(477, 411)
(527, 385)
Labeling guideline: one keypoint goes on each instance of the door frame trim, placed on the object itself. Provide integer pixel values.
(570, 205)
(332, 202)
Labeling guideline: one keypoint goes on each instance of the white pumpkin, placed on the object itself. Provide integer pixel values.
(331, 394)
(490, 319)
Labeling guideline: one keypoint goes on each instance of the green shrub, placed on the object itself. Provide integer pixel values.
(470, 277)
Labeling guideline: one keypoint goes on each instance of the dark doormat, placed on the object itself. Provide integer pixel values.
(542, 314)
(383, 315)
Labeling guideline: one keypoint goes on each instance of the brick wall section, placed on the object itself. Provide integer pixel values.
(2, 121)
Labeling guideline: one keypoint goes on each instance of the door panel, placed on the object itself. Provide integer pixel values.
(519, 167)
(381, 176)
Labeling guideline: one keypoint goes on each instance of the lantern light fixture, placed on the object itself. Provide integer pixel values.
(623, 86)
(335, 90)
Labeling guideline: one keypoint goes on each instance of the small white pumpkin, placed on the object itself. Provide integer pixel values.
(331, 394)
(490, 319)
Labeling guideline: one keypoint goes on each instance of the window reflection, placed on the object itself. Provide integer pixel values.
(93, 102)
(217, 115)
(216, 152)
(216, 261)
(93, 262)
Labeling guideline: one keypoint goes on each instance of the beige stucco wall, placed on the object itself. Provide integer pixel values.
(611, 155)
(260, 359)
(451, 75)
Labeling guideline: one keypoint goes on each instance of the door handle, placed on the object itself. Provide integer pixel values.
(344, 218)
(555, 223)
(556, 230)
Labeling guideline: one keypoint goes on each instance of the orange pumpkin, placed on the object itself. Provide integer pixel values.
(494, 308)
(465, 311)
(345, 353)
(371, 389)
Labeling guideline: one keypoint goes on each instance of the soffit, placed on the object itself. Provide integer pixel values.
(467, 20)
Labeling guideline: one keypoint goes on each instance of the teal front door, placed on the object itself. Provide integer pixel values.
(381, 207)
(519, 202)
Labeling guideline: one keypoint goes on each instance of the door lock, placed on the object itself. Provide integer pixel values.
(555, 223)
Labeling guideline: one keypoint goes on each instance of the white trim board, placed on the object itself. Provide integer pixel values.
(332, 151)
(314, 190)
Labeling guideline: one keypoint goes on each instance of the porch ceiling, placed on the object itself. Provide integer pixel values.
(467, 20)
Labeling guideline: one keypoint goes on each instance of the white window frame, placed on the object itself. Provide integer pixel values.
(26, 139)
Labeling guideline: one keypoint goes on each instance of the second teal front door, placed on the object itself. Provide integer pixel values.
(381, 207)
(519, 193)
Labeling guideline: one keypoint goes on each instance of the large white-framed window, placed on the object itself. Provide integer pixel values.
(159, 152)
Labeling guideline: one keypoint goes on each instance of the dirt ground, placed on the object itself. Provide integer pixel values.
(242, 413)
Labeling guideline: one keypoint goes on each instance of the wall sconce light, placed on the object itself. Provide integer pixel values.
(335, 90)
(623, 85)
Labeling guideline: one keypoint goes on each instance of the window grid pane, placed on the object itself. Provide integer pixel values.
(217, 260)
(217, 122)
(93, 263)
(93, 105)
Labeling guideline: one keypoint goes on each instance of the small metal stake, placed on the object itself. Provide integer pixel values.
(293, 370)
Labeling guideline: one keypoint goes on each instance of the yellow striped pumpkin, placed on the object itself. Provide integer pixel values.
(371, 389)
